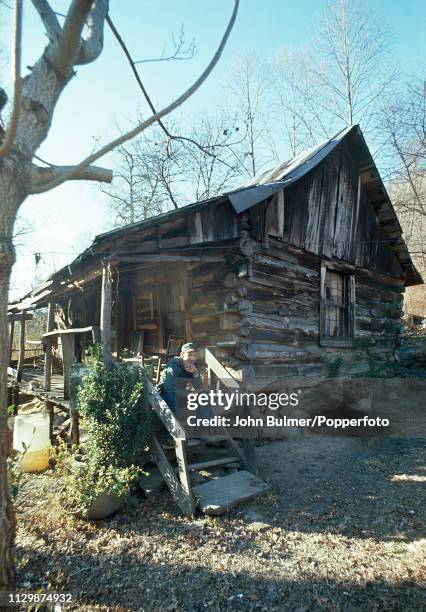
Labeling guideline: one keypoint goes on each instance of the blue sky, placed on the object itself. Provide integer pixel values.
(105, 94)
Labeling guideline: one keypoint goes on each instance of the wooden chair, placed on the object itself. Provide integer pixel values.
(174, 345)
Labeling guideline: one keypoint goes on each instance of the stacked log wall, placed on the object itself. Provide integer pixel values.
(269, 305)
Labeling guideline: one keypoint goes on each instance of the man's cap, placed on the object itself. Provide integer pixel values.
(188, 346)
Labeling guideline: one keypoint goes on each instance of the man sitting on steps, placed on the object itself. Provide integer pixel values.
(179, 368)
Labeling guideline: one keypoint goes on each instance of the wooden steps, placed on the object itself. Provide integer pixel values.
(223, 490)
(212, 463)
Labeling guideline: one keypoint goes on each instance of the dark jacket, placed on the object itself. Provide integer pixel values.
(167, 385)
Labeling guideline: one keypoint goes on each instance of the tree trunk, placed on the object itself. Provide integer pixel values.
(40, 91)
(7, 516)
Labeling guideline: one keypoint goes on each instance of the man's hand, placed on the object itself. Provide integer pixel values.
(189, 367)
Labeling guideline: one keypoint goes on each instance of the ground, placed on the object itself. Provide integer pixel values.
(342, 530)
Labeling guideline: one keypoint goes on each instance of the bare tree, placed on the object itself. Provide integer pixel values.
(212, 172)
(123, 193)
(144, 179)
(404, 154)
(349, 67)
(404, 132)
(248, 88)
(155, 173)
(74, 41)
(298, 120)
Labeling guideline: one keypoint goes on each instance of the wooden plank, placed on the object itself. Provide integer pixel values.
(346, 207)
(20, 317)
(275, 215)
(187, 301)
(105, 324)
(48, 355)
(232, 445)
(213, 462)
(249, 454)
(11, 336)
(184, 501)
(68, 358)
(183, 467)
(195, 228)
(352, 298)
(50, 411)
(21, 351)
(153, 258)
(60, 403)
(163, 411)
(70, 330)
(220, 371)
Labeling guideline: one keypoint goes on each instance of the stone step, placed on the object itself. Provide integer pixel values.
(206, 464)
(219, 495)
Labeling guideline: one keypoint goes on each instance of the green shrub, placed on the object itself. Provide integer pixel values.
(112, 412)
(118, 429)
(83, 485)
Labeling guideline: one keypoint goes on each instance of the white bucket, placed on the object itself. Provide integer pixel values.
(31, 437)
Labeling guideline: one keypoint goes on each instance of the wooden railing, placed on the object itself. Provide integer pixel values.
(180, 487)
(219, 370)
(227, 377)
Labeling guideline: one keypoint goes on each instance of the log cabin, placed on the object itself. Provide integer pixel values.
(298, 273)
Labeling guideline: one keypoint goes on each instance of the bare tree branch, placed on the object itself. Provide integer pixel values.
(40, 176)
(17, 88)
(145, 93)
(92, 46)
(64, 53)
(145, 124)
(49, 19)
(180, 53)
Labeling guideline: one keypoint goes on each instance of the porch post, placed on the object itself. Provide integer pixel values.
(68, 358)
(21, 348)
(11, 336)
(48, 354)
(105, 322)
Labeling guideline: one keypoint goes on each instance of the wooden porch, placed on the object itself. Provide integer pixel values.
(35, 376)
(174, 466)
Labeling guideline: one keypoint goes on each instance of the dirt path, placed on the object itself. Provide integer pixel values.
(343, 529)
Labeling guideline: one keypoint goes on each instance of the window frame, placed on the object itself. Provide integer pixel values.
(348, 272)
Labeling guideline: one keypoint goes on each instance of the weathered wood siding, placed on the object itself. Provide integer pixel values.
(328, 212)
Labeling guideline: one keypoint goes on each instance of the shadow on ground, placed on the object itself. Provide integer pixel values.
(357, 487)
(341, 531)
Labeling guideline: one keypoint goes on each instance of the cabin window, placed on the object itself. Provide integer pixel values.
(337, 306)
